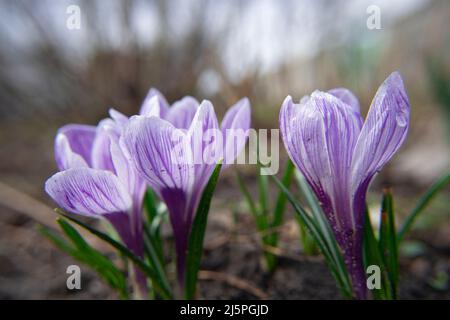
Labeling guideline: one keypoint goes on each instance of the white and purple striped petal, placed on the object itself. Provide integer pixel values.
(71, 140)
(88, 192)
(182, 112)
(154, 104)
(158, 153)
(347, 97)
(384, 130)
(235, 130)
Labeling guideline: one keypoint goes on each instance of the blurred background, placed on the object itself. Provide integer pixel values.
(221, 50)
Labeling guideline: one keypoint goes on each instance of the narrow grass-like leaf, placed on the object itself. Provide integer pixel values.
(150, 204)
(325, 240)
(388, 240)
(195, 244)
(250, 202)
(280, 204)
(263, 187)
(421, 205)
(61, 244)
(88, 256)
(307, 242)
(164, 291)
(373, 256)
(154, 260)
(154, 219)
(104, 267)
(259, 212)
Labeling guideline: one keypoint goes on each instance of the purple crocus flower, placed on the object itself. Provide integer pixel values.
(175, 149)
(97, 180)
(339, 155)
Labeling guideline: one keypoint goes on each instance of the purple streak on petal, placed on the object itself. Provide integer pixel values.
(204, 121)
(158, 152)
(235, 130)
(135, 185)
(320, 134)
(88, 191)
(383, 132)
(65, 157)
(182, 112)
(347, 97)
(101, 153)
(149, 104)
(80, 139)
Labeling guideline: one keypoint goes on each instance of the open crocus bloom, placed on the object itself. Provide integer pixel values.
(175, 149)
(97, 180)
(339, 155)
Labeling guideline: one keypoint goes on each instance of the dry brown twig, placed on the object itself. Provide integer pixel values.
(232, 281)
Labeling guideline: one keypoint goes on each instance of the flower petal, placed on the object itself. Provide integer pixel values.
(206, 142)
(347, 97)
(235, 129)
(88, 191)
(320, 134)
(119, 118)
(101, 152)
(65, 157)
(78, 140)
(383, 132)
(182, 112)
(159, 152)
(154, 107)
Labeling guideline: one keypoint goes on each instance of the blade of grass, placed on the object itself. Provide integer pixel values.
(263, 188)
(164, 291)
(106, 269)
(421, 205)
(325, 240)
(195, 245)
(388, 240)
(373, 256)
(280, 204)
(154, 260)
(94, 258)
(154, 219)
(250, 202)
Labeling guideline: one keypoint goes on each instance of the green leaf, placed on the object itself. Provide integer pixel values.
(263, 187)
(421, 205)
(195, 244)
(153, 227)
(388, 240)
(322, 233)
(261, 219)
(250, 202)
(85, 254)
(280, 204)
(154, 259)
(373, 256)
(307, 242)
(104, 267)
(61, 244)
(150, 204)
(260, 213)
(163, 290)
(278, 214)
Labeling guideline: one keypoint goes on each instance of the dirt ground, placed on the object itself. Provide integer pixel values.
(31, 268)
